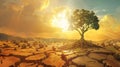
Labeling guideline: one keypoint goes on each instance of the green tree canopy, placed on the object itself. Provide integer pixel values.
(83, 20)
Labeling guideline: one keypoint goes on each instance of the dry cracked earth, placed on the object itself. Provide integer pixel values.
(49, 56)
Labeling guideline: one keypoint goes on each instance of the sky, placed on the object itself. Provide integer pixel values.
(26, 18)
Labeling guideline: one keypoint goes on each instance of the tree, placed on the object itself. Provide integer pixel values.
(83, 20)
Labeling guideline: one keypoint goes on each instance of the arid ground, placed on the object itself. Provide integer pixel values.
(50, 53)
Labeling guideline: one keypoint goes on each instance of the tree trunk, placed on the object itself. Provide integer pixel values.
(82, 36)
(82, 40)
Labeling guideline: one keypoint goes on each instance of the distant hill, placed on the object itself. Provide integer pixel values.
(4, 36)
(9, 37)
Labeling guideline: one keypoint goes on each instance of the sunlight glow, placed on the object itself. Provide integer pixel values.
(60, 20)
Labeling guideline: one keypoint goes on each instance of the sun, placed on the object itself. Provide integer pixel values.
(60, 20)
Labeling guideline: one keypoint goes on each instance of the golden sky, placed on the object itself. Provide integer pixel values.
(26, 18)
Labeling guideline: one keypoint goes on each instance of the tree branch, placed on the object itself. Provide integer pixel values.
(78, 31)
(86, 28)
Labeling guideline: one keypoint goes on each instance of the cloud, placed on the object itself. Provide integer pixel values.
(109, 29)
(19, 16)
